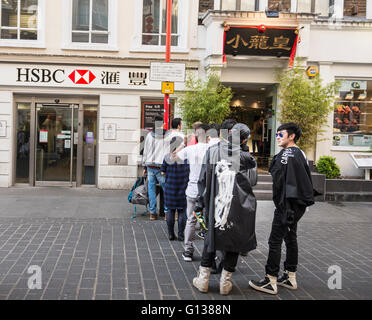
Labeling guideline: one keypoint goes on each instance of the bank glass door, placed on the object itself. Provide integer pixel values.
(56, 145)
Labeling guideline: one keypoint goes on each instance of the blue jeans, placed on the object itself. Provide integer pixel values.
(154, 176)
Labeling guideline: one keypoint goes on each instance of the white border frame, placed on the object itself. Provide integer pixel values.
(67, 43)
(41, 26)
(183, 29)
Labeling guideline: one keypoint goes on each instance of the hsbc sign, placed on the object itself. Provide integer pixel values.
(70, 76)
(42, 75)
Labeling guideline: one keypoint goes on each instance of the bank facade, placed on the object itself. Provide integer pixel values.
(75, 88)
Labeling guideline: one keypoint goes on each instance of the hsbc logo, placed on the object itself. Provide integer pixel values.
(59, 76)
(82, 76)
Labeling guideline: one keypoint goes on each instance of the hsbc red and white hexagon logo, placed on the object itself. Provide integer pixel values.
(82, 76)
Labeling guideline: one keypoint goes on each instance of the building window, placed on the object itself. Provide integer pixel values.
(154, 22)
(279, 5)
(90, 25)
(90, 21)
(243, 5)
(19, 19)
(149, 30)
(320, 7)
(352, 123)
(355, 8)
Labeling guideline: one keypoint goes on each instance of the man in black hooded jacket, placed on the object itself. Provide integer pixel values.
(225, 192)
(292, 193)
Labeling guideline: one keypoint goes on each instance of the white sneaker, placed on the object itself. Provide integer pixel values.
(267, 285)
(201, 282)
(288, 280)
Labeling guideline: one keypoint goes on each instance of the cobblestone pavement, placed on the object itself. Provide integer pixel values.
(88, 248)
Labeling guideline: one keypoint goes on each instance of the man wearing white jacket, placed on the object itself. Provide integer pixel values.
(157, 145)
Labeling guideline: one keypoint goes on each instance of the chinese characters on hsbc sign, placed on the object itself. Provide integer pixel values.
(78, 77)
(251, 41)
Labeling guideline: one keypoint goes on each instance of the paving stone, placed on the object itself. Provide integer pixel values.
(133, 257)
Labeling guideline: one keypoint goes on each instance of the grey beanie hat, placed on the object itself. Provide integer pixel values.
(243, 130)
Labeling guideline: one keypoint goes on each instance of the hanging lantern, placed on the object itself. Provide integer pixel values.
(262, 28)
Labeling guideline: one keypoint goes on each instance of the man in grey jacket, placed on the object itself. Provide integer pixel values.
(157, 145)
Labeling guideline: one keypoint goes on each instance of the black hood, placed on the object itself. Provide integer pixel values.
(245, 158)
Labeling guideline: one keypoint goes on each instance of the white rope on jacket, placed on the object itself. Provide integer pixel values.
(225, 178)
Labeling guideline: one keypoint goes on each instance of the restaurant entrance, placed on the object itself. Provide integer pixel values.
(254, 105)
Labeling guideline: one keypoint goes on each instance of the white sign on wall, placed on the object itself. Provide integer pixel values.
(171, 72)
(109, 131)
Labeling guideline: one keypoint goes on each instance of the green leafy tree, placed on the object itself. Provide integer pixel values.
(306, 102)
(206, 101)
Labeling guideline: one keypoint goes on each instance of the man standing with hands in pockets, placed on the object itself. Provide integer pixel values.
(292, 193)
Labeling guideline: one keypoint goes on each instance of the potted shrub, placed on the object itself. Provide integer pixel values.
(327, 165)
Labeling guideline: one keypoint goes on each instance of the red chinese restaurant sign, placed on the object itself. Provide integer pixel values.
(260, 41)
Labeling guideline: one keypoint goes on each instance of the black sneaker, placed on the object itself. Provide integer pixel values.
(288, 280)
(265, 285)
(187, 256)
(201, 234)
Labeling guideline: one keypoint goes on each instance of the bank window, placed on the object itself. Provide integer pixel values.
(90, 21)
(154, 22)
(352, 123)
(20, 20)
(90, 25)
(242, 5)
(321, 7)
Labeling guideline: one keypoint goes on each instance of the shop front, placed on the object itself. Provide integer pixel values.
(352, 124)
(56, 141)
(74, 126)
(252, 55)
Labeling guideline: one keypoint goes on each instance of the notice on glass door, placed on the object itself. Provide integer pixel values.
(43, 138)
(67, 144)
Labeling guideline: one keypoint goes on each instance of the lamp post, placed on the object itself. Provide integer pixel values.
(167, 58)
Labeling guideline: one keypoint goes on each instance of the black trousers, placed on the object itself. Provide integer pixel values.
(229, 262)
(280, 232)
(170, 216)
